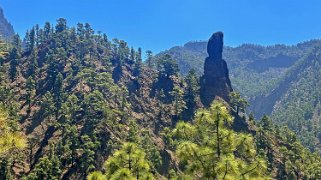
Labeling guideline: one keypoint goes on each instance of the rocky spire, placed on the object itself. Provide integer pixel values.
(215, 46)
(215, 81)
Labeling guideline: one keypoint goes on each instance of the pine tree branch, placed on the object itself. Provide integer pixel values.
(249, 171)
(225, 171)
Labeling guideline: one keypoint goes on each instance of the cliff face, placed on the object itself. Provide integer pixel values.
(6, 29)
(215, 81)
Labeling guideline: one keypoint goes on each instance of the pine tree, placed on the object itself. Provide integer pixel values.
(127, 163)
(178, 100)
(12, 142)
(88, 31)
(30, 86)
(266, 123)
(32, 39)
(191, 94)
(48, 167)
(139, 63)
(33, 64)
(149, 59)
(96, 175)
(52, 70)
(47, 31)
(139, 59)
(132, 54)
(16, 42)
(38, 35)
(3, 51)
(133, 132)
(10, 139)
(61, 25)
(14, 56)
(238, 102)
(209, 148)
(88, 156)
(167, 66)
(57, 92)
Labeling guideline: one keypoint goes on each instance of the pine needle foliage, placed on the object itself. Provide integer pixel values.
(208, 148)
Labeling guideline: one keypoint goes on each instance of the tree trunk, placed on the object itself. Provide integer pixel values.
(218, 136)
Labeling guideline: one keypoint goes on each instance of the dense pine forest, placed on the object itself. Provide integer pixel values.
(75, 104)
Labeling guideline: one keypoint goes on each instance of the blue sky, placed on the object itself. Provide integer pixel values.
(160, 24)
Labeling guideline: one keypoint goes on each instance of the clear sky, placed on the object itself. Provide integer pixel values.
(160, 24)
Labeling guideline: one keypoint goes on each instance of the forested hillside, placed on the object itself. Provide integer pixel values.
(281, 81)
(76, 105)
(254, 69)
(298, 104)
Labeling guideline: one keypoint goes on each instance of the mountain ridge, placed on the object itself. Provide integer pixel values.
(78, 104)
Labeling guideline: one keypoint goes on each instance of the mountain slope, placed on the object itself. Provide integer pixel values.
(78, 95)
(299, 104)
(80, 99)
(6, 29)
(254, 69)
(281, 81)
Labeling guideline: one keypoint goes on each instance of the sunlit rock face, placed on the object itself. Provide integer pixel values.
(215, 81)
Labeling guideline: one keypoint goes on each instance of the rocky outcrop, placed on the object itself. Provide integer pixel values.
(215, 46)
(215, 81)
